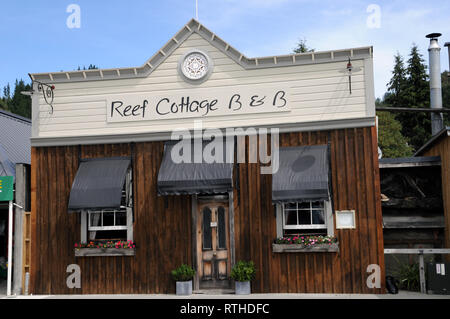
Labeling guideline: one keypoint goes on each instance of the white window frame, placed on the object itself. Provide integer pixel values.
(102, 212)
(86, 226)
(329, 225)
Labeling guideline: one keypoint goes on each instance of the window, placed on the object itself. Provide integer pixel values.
(304, 218)
(111, 224)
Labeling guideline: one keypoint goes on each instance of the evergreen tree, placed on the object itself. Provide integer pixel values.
(90, 67)
(409, 87)
(395, 96)
(302, 47)
(21, 104)
(416, 125)
(7, 92)
(6, 98)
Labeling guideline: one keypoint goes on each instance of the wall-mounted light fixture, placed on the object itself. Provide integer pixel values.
(349, 70)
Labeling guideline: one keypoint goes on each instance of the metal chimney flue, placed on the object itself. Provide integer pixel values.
(437, 120)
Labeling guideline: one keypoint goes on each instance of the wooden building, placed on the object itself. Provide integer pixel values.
(103, 168)
(412, 206)
(439, 145)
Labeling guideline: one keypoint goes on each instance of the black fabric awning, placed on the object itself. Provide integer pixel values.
(98, 183)
(302, 174)
(197, 174)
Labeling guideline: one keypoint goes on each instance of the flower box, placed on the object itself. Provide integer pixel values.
(88, 252)
(299, 248)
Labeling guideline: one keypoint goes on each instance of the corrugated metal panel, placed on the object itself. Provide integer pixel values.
(15, 133)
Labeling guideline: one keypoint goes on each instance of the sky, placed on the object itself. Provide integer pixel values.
(43, 36)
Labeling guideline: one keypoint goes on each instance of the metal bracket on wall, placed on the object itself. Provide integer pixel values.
(47, 93)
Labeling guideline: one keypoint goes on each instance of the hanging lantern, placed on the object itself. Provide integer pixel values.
(349, 70)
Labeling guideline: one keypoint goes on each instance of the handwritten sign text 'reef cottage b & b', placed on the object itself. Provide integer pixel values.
(197, 103)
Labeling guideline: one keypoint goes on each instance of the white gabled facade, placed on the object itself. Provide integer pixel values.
(316, 87)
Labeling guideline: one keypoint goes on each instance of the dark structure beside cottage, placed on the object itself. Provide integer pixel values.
(412, 205)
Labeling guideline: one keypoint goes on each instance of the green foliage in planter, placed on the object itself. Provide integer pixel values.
(183, 273)
(243, 271)
(409, 276)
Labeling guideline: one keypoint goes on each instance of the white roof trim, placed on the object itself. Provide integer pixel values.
(164, 136)
(193, 26)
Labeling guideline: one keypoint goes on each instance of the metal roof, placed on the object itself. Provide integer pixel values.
(15, 147)
(410, 162)
(193, 26)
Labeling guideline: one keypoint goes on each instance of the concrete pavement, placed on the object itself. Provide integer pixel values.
(228, 295)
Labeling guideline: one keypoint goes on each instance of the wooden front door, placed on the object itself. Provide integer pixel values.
(213, 245)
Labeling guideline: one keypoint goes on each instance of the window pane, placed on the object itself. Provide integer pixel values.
(306, 232)
(317, 204)
(318, 217)
(108, 219)
(304, 217)
(207, 234)
(290, 217)
(290, 206)
(304, 205)
(121, 218)
(96, 219)
(108, 235)
(221, 228)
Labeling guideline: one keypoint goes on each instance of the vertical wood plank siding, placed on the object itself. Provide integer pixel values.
(162, 235)
(355, 180)
(163, 230)
(442, 149)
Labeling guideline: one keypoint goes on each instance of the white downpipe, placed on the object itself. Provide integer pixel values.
(10, 240)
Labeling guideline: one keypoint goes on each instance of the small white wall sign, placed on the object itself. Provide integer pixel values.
(198, 103)
(345, 219)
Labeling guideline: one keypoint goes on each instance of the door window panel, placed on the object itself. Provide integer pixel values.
(207, 234)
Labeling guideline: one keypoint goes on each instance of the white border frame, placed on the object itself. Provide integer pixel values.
(338, 212)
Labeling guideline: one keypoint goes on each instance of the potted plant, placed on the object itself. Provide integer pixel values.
(242, 273)
(183, 276)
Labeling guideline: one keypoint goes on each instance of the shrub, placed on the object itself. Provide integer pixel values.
(183, 273)
(409, 277)
(243, 271)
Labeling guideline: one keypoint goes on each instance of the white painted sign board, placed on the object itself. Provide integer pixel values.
(199, 103)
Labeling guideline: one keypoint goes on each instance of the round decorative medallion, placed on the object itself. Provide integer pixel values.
(195, 66)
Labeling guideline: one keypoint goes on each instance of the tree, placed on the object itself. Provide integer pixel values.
(90, 67)
(390, 139)
(6, 98)
(417, 125)
(7, 92)
(21, 104)
(395, 95)
(302, 47)
(409, 87)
